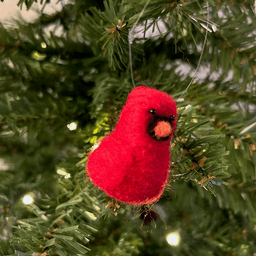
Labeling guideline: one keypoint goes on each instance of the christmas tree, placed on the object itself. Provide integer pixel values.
(64, 79)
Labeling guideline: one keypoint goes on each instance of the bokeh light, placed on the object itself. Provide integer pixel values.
(95, 145)
(72, 126)
(62, 171)
(43, 45)
(173, 238)
(27, 199)
(67, 176)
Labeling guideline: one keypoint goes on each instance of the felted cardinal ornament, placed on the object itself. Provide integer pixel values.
(132, 163)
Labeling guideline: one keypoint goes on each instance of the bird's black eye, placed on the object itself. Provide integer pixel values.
(152, 111)
(172, 117)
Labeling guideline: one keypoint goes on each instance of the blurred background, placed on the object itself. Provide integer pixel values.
(66, 69)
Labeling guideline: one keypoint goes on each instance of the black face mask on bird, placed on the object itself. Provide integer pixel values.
(160, 127)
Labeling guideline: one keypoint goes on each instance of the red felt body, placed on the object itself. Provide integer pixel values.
(129, 164)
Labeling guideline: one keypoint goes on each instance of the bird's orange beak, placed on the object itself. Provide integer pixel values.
(163, 129)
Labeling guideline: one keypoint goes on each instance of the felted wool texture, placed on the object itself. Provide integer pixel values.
(162, 128)
(130, 165)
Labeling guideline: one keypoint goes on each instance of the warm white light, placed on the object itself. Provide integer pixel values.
(173, 239)
(61, 171)
(96, 145)
(72, 126)
(27, 199)
(43, 45)
(67, 176)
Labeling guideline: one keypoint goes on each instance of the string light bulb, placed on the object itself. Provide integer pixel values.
(72, 126)
(173, 238)
(27, 199)
(61, 171)
(43, 45)
(96, 145)
(67, 176)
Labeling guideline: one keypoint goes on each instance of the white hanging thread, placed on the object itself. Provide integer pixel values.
(199, 62)
(131, 37)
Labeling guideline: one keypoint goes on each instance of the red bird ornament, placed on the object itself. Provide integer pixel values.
(132, 163)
